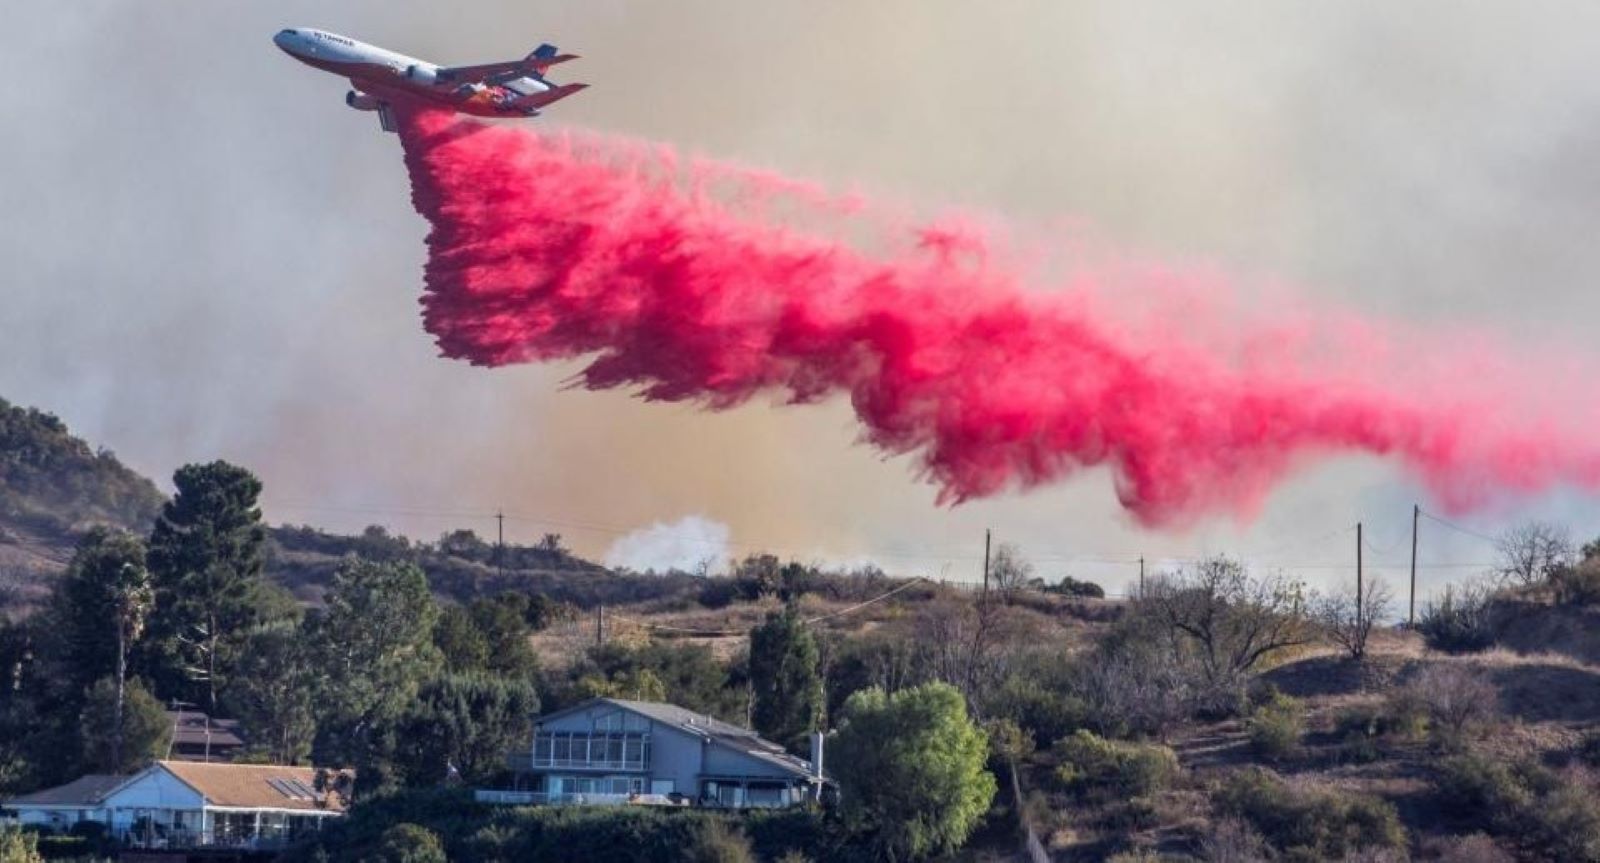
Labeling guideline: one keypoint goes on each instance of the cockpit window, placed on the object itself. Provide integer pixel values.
(290, 33)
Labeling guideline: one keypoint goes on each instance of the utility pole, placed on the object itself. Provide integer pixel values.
(985, 563)
(1359, 597)
(1411, 615)
(500, 545)
(600, 624)
(1141, 576)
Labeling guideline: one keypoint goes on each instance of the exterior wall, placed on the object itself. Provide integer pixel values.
(154, 790)
(676, 757)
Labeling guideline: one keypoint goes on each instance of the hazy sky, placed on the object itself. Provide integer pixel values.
(206, 254)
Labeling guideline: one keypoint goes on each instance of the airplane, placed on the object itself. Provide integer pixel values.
(513, 88)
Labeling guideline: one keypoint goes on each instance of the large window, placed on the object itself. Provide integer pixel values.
(614, 750)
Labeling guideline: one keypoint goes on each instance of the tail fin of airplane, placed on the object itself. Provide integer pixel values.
(543, 57)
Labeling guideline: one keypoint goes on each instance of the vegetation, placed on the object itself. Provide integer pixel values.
(784, 679)
(911, 772)
(1092, 765)
(1134, 729)
(55, 484)
(1276, 727)
(1308, 822)
(1460, 621)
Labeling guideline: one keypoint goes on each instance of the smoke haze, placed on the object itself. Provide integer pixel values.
(208, 255)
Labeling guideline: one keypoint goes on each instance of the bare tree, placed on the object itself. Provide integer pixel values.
(1347, 620)
(1232, 620)
(1008, 570)
(1531, 552)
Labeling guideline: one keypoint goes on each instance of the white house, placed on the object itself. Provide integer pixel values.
(610, 750)
(186, 804)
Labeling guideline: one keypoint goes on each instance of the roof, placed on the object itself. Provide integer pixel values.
(255, 786)
(709, 728)
(84, 792)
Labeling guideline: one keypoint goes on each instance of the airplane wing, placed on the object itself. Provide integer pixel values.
(535, 64)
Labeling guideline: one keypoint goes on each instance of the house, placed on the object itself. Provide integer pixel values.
(610, 750)
(188, 804)
(198, 737)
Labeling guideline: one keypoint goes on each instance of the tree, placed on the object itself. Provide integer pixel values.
(106, 588)
(1008, 570)
(206, 555)
(1232, 621)
(274, 694)
(374, 643)
(504, 627)
(463, 725)
(461, 644)
(910, 770)
(785, 680)
(1347, 620)
(144, 734)
(409, 843)
(1531, 552)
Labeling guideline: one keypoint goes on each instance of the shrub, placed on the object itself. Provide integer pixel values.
(1310, 823)
(1589, 749)
(1362, 728)
(19, 846)
(1558, 814)
(1230, 840)
(718, 592)
(1092, 765)
(1037, 709)
(1456, 700)
(1460, 622)
(1476, 848)
(1577, 585)
(716, 842)
(1567, 822)
(1070, 586)
(1275, 728)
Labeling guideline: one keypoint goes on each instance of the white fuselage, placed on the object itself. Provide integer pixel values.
(378, 72)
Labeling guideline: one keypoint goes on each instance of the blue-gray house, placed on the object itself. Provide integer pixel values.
(610, 750)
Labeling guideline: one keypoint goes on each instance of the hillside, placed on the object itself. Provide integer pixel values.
(53, 486)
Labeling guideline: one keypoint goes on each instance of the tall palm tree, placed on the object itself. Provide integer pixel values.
(131, 598)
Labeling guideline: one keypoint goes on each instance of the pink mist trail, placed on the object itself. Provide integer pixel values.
(708, 284)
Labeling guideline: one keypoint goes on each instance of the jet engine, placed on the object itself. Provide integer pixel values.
(361, 101)
(423, 73)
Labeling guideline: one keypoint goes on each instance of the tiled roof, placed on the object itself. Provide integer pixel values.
(86, 791)
(255, 786)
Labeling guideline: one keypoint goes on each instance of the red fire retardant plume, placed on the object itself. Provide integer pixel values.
(696, 283)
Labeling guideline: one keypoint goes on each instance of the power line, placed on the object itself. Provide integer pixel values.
(1459, 529)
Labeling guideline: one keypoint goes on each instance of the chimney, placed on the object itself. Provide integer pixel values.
(816, 754)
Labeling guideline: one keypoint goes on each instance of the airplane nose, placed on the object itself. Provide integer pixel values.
(284, 39)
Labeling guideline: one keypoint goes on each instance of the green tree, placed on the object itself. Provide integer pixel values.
(408, 843)
(465, 724)
(206, 555)
(374, 644)
(145, 732)
(505, 633)
(785, 679)
(275, 690)
(99, 610)
(910, 768)
(461, 644)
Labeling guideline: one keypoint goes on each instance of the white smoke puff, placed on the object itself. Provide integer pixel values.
(686, 544)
